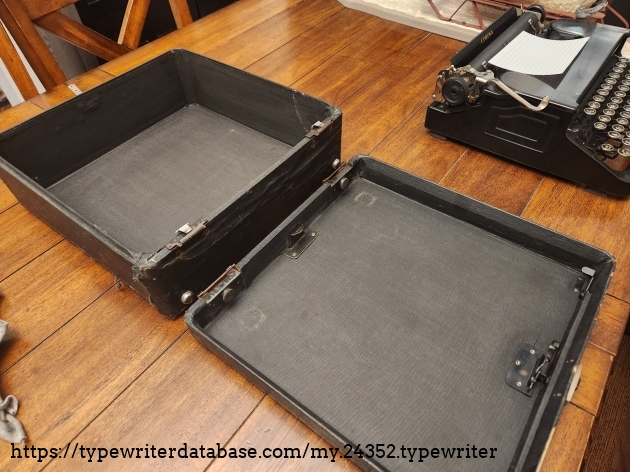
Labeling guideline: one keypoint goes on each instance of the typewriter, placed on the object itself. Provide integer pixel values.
(574, 125)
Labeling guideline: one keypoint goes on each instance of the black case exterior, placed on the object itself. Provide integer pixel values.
(53, 145)
(213, 307)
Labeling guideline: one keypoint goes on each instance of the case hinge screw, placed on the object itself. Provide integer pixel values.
(188, 297)
(344, 183)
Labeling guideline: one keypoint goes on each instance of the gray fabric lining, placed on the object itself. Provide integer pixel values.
(175, 172)
(398, 325)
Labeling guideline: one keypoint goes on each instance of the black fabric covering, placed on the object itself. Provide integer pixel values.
(398, 325)
(175, 172)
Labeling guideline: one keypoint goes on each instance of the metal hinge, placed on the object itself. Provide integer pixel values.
(339, 176)
(318, 127)
(221, 286)
(584, 283)
(186, 233)
(531, 366)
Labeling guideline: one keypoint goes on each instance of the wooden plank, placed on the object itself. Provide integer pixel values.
(568, 443)
(181, 13)
(601, 221)
(354, 66)
(7, 200)
(412, 148)
(188, 395)
(39, 298)
(15, 66)
(39, 8)
(24, 238)
(377, 109)
(596, 365)
(610, 325)
(76, 373)
(16, 115)
(297, 58)
(205, 33)
(61, 93)
(256, 43)
(81, 36)
(133, 22)
(272, 426)
(492, 180)
(35, 50)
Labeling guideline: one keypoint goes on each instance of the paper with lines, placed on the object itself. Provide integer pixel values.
(529, 54)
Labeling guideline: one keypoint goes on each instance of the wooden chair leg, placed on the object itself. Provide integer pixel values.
(181, 12)
(31, 44)
(15, 66)
(133, 22)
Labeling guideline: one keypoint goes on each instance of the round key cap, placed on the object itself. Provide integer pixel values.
(618, 70)
(625, 82)
(604, 118)
(598, 98)
(620, 94)
(622, 121)
(614, 75)
(616, 100)
(603, 93)
(624, 59)
(600, 126)
(606, 87)
(615, 135)
(596, 105)
(590, 111)
(625, 142)
(607, 147)
(623, 88)
(610, 81)
(608, 112)
(621, 64)
(624, 114)
(612, 106)
(618, 128)
(623, 152)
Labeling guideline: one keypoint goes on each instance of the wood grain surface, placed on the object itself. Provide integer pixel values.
(95, 364)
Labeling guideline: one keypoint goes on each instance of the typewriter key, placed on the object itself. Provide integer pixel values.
(625, 114)
(612, 106)
(623, 152)
(608, 147)
(616, 100)
(596, 105)
(619, 70)
(621, 64)
(603, 93)
(622, 121)
(620, 94)
(610, 81)
(625, 82)
(625, 142)
(598, 98)
(615, 135)
(590, 111)
(608, 112)
(618, 129)
(614, 75)
(600, 126)
(623, 88)
(624, 59)
(606, 87)
(604, 118)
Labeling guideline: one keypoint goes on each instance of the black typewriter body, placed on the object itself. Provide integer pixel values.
(574, 125)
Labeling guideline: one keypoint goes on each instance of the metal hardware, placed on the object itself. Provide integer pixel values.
(531, 366)
(583, 283)
(230, 278)
(343, 183)
(338, 175)
(187, 297)
(188, 233)
(318, 127)
(299, 240)
(74, 89)
(336, 163)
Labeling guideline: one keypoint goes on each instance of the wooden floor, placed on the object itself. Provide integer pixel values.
(93, 363)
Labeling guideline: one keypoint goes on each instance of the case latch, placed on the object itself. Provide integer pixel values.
(531, 365)
(318, 127)
(299, 239)
(186, 233)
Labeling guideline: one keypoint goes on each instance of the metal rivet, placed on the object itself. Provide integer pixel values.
(531, 351)
(336, 163)
(344, 183)
(518, 362)
(518, 384)
(187, 298)
(228, 295)
(312, 234)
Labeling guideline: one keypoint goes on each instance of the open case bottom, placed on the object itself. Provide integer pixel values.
(175, 172)
(399, 322)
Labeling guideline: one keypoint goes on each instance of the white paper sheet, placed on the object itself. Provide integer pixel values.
(532, 55)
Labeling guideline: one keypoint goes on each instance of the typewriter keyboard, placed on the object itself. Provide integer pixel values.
(605, 116)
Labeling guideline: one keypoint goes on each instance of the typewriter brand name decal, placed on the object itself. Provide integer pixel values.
(485, 38)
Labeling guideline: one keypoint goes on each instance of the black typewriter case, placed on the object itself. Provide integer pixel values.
(389, 310)
(172, 171)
